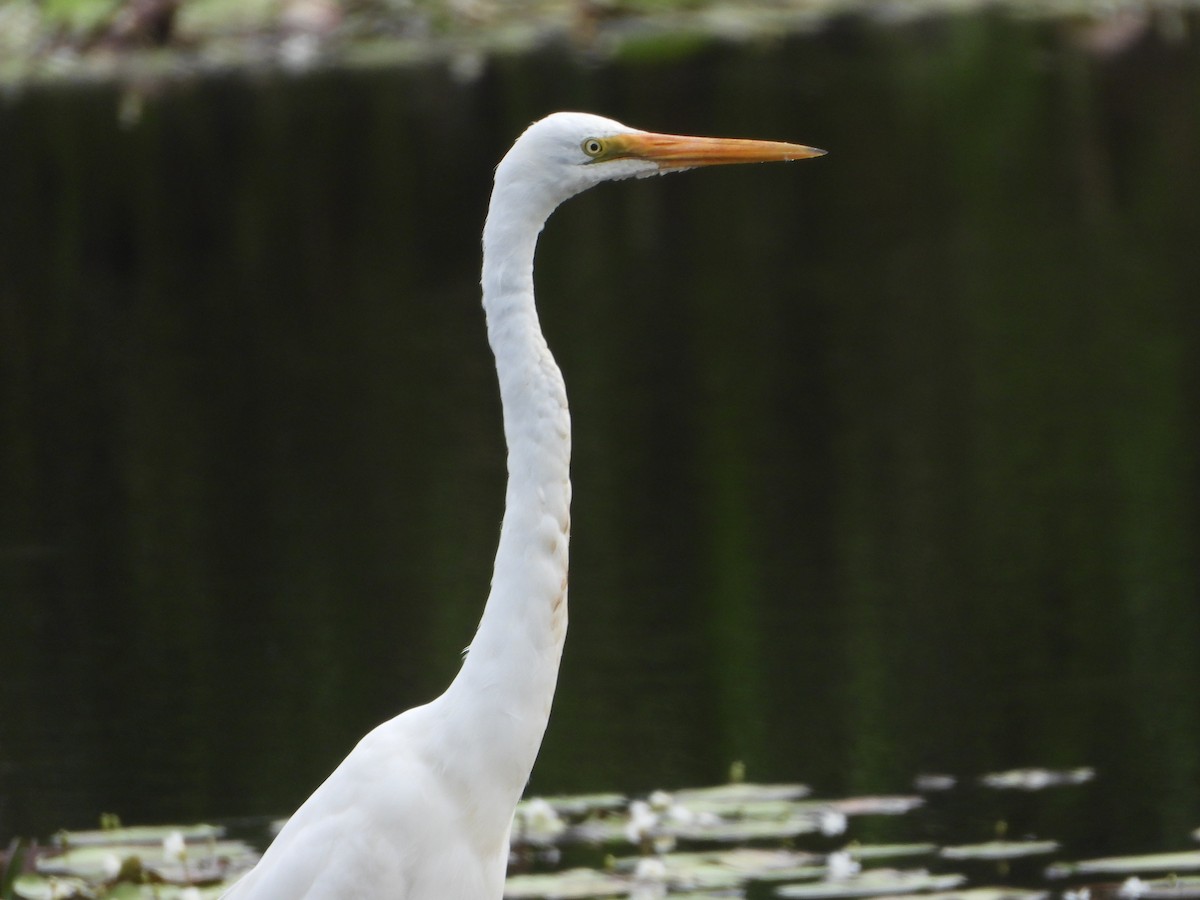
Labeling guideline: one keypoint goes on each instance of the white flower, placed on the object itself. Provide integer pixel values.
(840, 865)
(680, 814)
(543, 818)
(174, 846)
(1133, 887)
(650, 868)
(110, 865)
(642, 822)
(649, 879)
(661, 800)
(832, 822)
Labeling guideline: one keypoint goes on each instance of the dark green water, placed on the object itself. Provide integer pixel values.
(886, 463)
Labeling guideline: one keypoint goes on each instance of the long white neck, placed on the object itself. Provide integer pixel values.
(502, 695)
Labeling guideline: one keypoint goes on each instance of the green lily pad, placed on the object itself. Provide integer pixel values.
(38, 887)
(100, 862)
(934, 781)
(750, 860)
(1034, 779)
(759, 862)
(741, 794)
(727, 831)
(724, 869)
(999, 850)
(568, 885)
(749, 809)
(167, 891)
(881, 805)
(1162, 889)
(889, 851)
(580, 804)
(986, 893)
(140, 834)
(1185, 861)
(872, 883)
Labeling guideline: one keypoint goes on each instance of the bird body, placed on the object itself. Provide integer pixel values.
(422, 807)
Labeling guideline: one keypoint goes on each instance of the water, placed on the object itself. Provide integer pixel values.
(885, 462)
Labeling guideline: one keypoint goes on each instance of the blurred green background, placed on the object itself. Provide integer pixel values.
(885, 463)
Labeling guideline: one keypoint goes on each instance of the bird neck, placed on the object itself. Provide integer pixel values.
(502, 694)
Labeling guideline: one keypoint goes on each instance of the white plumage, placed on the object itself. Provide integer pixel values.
(421, 809)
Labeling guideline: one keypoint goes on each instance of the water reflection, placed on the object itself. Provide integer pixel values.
(883, 465)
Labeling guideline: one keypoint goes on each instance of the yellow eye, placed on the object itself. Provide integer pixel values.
(593, 147)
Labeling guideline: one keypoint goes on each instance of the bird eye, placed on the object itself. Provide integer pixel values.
(593, 147)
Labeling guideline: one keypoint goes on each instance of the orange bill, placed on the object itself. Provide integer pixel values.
(677, 151)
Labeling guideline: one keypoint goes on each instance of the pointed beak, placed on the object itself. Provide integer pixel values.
(677, 151)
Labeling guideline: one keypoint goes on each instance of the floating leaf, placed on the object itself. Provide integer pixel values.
(889, 851)
(985, 893)
(98, 862)
(1185, 861)
(883, 805)
(568, 885)
(749, 809)
(141, 834)
(1037, 779)
(934, 782)
(597, 830)
(580, 804)
(726, 831)
(873, 883)
(741, 794)
(771, 865)
(716, 869)
(999, 850)
(1162, 889)
(37, 887)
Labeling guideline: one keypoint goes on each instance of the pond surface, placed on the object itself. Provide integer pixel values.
(886, 463)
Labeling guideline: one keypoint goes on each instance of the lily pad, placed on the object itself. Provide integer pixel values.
(569, 885)
(100, 862)
(880, 805)
(580, 804)
(889, 851)
(986, 893)
(37, 887)
(873, 883)
(1162, 889)
(727, 831)
(933, 781)
(140, 834)
(1185, 861)
(990, 850)
(741, 794)
(1034, 779)
(772, 865)
(750, 809)
(724, 869)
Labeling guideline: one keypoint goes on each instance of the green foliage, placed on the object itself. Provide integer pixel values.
(13, 861)
(80, 17)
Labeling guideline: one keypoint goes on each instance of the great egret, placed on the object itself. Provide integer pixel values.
(421, 809)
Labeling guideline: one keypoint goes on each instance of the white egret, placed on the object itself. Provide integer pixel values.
(421, 809)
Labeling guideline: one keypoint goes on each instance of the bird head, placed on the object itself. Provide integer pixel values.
(569, 152)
